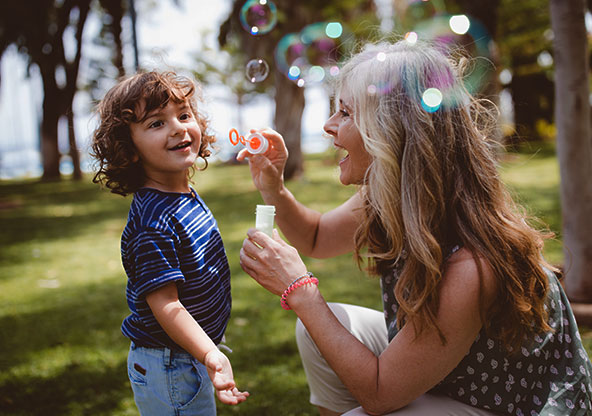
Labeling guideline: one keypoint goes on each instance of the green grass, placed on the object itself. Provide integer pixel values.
(62, 289)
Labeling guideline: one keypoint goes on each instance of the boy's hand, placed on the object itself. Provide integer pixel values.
(220, 372)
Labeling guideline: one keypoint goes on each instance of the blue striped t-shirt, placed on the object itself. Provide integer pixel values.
(173, 237)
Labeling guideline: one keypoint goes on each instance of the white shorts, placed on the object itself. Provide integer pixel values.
(327, 390)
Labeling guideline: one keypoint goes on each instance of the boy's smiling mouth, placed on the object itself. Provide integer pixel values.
(181, 145)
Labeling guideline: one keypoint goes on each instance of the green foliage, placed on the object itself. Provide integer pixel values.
(522, 39)
(62, 289)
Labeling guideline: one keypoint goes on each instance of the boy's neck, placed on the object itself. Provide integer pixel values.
(165, 186)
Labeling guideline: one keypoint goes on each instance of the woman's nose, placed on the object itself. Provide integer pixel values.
(330, 126)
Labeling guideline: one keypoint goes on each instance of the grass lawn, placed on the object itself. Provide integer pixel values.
(62, 289)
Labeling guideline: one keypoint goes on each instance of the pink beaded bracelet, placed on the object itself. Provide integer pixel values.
(305, 279)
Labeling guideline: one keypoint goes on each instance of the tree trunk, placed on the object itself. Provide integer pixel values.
(132, 12)
(117, 14)
(50, 153)
(574, 143)
(52, 111)
(77, 173)
(289, 106)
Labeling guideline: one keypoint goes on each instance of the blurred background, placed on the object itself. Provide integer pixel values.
(60, 57)
(260, 63)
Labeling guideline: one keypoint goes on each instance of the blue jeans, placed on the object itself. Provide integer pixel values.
(171, 383)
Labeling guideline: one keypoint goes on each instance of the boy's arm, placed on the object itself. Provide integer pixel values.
(187, 333)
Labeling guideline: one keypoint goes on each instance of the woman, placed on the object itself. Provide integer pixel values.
(476, 320)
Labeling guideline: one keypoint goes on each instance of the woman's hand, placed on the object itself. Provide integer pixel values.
(270, 261)
(220, 372)
(268, 170)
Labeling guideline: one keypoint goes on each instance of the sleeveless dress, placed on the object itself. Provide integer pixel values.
(550, 376)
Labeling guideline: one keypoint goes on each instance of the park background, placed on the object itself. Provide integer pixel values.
(61, 282)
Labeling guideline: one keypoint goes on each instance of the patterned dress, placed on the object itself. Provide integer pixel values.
(549, 377)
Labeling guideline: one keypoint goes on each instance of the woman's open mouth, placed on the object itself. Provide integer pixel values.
(340, 152)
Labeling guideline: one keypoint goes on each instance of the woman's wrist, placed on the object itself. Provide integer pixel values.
(304, 298)
(272, 197)
(298, 285)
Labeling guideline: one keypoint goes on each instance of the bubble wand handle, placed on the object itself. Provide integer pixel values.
(255, 142)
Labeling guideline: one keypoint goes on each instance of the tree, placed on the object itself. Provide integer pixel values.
(39, 32)
(524, 36)
(574, 143)
(292, 17)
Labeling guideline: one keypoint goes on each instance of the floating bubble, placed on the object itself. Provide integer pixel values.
(316, 73)
(431, 100)
(459, 24)
(505, 76)
(294, 72)
(287, 51)
(334, 30)
(411, 37)
(545, 59)
(257, 70)
(258, 17)
(312, 54)
(476, 42)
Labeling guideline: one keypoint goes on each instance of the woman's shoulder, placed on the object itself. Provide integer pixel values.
(471, 271)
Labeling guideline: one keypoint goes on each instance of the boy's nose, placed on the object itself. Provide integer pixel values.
(178, 128)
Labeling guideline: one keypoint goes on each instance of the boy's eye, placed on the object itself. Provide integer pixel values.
(155, 124)
(185, 116)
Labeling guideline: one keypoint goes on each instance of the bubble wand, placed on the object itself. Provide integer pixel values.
(255, 142)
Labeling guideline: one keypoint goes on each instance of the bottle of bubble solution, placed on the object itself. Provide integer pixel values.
(257, 144)
(264, 218)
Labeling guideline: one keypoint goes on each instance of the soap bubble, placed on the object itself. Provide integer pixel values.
(311, 55)
(475, 42)
(334, 30)
(411, 37)
(289, 49)
(258, 17)
(431, 100)
(257, 70)
(459, 24)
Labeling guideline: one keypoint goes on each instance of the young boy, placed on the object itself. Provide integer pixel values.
(148, 140)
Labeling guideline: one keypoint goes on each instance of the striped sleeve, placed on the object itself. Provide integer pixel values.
(157, 263)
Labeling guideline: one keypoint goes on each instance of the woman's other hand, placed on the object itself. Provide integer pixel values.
(267, 170)
(270, 261)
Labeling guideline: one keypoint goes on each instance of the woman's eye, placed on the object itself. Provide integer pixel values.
(344, 113)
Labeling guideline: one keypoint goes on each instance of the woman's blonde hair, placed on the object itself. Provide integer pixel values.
(434, 183)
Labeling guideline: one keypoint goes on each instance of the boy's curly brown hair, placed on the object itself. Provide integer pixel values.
(118, 167)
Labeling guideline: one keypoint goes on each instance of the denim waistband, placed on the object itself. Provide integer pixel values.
(166, 353)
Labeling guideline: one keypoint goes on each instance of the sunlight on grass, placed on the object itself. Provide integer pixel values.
(534, 183)
(62, 293)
